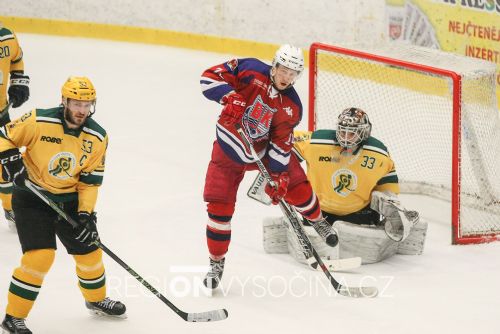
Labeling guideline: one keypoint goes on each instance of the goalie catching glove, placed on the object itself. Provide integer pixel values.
(234, 107)
(13, 169)
(280, 188)
(86, 232)
(397, 220)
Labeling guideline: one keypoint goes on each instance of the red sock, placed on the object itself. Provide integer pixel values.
(303, 198)
(219, 228)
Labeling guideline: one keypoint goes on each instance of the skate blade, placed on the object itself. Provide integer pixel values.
(105, 315)
(210, 288)
(209, 291)
(12, 227)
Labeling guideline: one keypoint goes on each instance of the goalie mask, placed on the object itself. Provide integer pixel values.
(290, 57)
(353, 128)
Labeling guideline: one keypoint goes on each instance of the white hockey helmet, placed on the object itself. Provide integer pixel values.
(353, 128)
(291, 57)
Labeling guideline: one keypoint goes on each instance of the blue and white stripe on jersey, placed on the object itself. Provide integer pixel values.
(278, 159)
(214, 90)
(234, 147)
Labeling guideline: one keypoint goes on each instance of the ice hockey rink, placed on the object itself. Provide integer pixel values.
(152, 215)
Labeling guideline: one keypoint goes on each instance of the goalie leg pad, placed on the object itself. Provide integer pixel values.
(365, 241)
(324, 251)
(414, 244)
(275, 235)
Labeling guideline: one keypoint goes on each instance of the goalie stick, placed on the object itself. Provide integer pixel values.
(340, 264)
(257, 192)
(214, 315)
(297, 228)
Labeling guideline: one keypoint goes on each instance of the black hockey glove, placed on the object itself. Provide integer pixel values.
(86, 232)
(13, 169)
(19, 90)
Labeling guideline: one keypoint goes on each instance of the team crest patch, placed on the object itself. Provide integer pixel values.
(344, 182)
(62, 165)
(232, 64)
(257, 119)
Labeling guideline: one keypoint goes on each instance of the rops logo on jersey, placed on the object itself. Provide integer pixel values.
(257, 119)
(62, 165)
(344, 182)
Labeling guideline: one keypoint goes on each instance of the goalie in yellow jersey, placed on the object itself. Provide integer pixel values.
(356, 182)
(65, 155)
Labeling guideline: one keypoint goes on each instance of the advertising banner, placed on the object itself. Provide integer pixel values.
(465, 27)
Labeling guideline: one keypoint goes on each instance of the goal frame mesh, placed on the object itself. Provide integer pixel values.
(456, 79)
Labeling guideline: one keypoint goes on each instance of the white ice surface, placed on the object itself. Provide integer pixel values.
(152, 215)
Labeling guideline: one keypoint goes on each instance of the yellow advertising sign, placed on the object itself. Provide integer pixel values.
(465, 27)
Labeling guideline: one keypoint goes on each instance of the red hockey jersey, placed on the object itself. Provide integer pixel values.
(270, 115)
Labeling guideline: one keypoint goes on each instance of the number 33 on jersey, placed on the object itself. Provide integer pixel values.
(344, 183)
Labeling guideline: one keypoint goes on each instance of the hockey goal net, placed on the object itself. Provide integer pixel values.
(436, 112)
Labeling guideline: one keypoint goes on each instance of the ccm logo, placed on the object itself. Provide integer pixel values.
(239, 103)
(54, 140)
(10, 159)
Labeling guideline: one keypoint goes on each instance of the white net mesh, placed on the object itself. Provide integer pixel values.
(412, 113)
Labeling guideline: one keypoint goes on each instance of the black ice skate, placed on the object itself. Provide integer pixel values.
(214, 274)
(326, 232)
(12, 325)
(107, 307)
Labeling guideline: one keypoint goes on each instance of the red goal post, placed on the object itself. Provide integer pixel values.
(437, 114)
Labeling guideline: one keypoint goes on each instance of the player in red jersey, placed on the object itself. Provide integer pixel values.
(262, 100)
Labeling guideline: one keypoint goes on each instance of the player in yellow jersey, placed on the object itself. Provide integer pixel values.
(14, 86)
(65, 156)
(357, 185)
(346, 165)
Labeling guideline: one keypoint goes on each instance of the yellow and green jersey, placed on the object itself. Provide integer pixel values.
(344, 183)
(11, 59)
(66, 162)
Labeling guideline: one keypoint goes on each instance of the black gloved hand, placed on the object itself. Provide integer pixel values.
(13, 169)
(19, 90)
(86, 232)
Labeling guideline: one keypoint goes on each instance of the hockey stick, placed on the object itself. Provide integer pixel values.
(332, 265)
(297, 227)
(257, 192)
(6, 109)
(214, 315)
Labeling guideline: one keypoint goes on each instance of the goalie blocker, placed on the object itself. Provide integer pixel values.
(400, 232)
